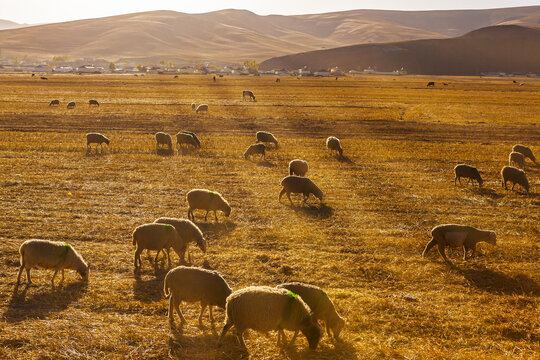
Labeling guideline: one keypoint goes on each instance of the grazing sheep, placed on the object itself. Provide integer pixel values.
(527, 152)
(163, 139)
(194, 137)
(431, 84)
(71, 105)
(156, 237)
(458, 235)
(333, 144)
(206, 200)
(516, 158)
(320, 304)
(256, 149)
(187, 139)
(301, 185)
(96, 138)
(194, 284)
(188, 232)
(469, 172)
(93, 102)
(201, 108)
(263, 309)
(278, 80)
(249, 94)
(266, 137)
(298, 167)
(47, 254)
(44, 78)
(54, 103)
(193, 106)
(515, 176)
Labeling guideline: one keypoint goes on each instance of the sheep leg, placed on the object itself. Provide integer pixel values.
(429, 245)
(190, 214)
(442, 252)
(226, 328)
(473, 250)
(169, 257)
(20, 273)
(281, 337)
(327, 329)
(211, 315)
(293, 338)
(281, 194)
(465, 252)
(179, 312)
(206, 216)
(62, 281)
(52, 280)
(137, 258)
(240, 337)
(203, 307)
(171, 309)
(29, 281)
(215, 215)
(513, 186)
(289, 196)
(155, 259)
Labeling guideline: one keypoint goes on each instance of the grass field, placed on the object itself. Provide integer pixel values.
(363, 244)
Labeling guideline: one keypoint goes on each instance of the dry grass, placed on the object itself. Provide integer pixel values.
(362, 245)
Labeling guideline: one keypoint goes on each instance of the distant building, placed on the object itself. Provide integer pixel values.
(62, 69)
(89, 69)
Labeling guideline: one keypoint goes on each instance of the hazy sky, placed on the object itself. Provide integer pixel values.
(41, 11)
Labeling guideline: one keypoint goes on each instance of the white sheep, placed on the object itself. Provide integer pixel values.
(156, 237)
(320, 304)
(299, 185)
(47, 254)
(255, 149)
(206, 200)
(333, 144)
(515, 176)
(452, 235)
(266, 137)
(163, 139)
(187, 139)
(264, 309)
(516, 158)
(201, 108)
(527, 152)
(188, 233)
(469, 172)
(194, 284)
(298, 167)
(96, 138)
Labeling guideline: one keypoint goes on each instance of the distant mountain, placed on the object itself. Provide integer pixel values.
(6, 24)
(236, 35)
(503, 48)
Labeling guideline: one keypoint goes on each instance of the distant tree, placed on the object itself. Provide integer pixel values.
(112, 66)
(139, 67)
(162, 62)
(16, 61)
(169, 64)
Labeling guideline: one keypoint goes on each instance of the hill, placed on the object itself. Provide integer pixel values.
(235, 35)
(504, 48)
(6, 24)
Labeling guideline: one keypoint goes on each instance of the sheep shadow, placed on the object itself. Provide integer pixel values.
(499, 283)
(182, 346)
(338, 350)
(150, 290)
(40, 305)
(487, 192)
(322, 211)
(345, 159)
(266, 163)
(165, 152)
(216, 229)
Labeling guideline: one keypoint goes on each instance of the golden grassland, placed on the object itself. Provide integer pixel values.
(363, 244)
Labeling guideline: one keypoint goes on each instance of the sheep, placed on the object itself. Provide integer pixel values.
(187, 232)
(263, 308)
(163, 139)
(194, 284)
(527, 152)
(156, 237)
(469, 172)
(333, 144)
(515, 176)
(256, 149)
(249, 94)
(458, 235)
(185, 138)
(206, 200)
(194, 137)
(47, 254)
(93, 102)
(278, 80)
(266, 137)
(71, 105)
(298, 184)
(193, 106)
(320, 304)
(202, 107)
(516, 158)
(54, 103)
(431, 84)
(298, 167)
(96, 138)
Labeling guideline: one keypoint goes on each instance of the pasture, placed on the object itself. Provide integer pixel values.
(363, 244)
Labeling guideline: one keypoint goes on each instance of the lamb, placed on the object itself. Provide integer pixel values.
(206, 200)
(333, 144)
(54, 103)
(458, 235)
(156, 237)
(266, 137)
(263, 308)
(93, 102)
(201, 108)
(163, 139)
(527, 152)
(96, 138)
(71, 105)
(188, 232)
(193, 106)
(249, 94)
(298, 184)
(47, 254)
(298, 167)
(515, 176)
(469, 172)
(516, 158)
(187, 139)
(194, 284)
(256, 149)
(320, 304)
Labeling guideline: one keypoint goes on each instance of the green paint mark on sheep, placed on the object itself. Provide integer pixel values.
(189, 135)
(168, 227)
(292, 295)
(66, 250)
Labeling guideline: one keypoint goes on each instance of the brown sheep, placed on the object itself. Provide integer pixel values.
(516, 158)
(469, 172)
(515, 176)
(527, 152)
(163, 139)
